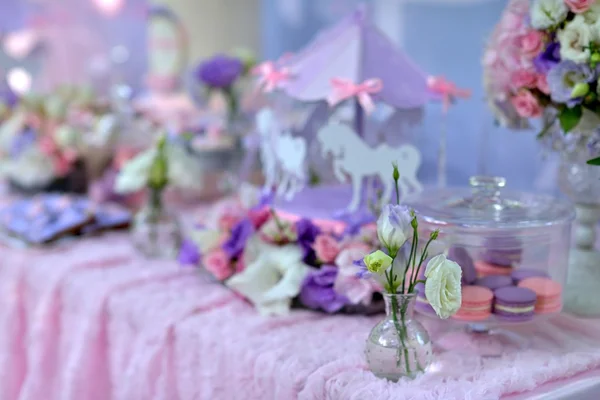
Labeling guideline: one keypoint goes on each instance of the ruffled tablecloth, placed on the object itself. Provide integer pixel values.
(91, 320)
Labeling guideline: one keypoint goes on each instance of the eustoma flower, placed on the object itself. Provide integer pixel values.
(393, 227)
(443, 285)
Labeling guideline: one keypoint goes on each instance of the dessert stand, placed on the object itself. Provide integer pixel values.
(511, 229)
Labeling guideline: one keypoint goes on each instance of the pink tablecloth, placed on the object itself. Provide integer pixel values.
(95, 322)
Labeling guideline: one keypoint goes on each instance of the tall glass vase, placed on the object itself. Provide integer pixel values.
(155, 231)
(399, 346)
(581, 184)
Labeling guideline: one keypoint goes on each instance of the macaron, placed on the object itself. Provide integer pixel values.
(494, 282)
(504, 251)
(523, 273)
(549, 294)
(484, 268)
(422, 304)
(515, 304)
(476, 304)
(461, 256)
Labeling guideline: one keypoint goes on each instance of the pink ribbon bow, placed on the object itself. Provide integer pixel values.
(343, 89)
(448, 90)
(271, 77)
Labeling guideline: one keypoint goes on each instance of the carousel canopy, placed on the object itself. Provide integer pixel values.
(357, 51)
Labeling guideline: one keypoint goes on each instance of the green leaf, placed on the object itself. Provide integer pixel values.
(569, 118)
(594, 161)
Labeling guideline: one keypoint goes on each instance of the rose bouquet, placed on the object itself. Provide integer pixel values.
(543, 61)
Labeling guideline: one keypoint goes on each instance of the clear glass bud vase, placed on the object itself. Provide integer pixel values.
(155, 231)
(399, 346)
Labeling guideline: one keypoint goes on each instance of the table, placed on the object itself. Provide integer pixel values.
(91, 320)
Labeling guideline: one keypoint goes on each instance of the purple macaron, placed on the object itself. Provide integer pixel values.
(514, 304)
(523, 273)
(461, 256)
(422, 304)
(494, 282)
(503, 251)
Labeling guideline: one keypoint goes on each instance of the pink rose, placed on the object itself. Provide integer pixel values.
(217, 263)
(531, 43)
(523, 78)
(526, 105)
(326, 248)
(579, 6)
(542, 84)
(357, 290)
(259, 217)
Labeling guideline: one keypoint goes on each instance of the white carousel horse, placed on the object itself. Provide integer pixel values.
(282, 156)
(353, 157)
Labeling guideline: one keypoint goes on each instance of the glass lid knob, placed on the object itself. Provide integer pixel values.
(487, 191)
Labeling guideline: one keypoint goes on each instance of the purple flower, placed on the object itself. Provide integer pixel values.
(548, 58)
(189, 253)
(8, 97)
(363, 272)
(307, 232)
(220, 71)
(241, 232)
(563, 78)
(266, 199)
(317, 290)
(22, 142)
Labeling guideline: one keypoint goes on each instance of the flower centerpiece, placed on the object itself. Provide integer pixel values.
(155, 230)
(399, 345)
(276, 263)
(543, 61)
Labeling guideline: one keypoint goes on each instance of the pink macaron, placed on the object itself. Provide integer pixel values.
(484, 268)
(549, 294)
(476, 304)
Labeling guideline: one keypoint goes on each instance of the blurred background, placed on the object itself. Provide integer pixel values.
(75, 41)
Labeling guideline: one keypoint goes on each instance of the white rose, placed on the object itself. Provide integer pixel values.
(574, 40)
(394, 227)
(592, 14)
(442, 286)
(548, 13)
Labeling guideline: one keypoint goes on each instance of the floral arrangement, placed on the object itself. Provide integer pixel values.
(42, 138)
(274, 262)
(222, 72)
(543, 59)
(167, 163)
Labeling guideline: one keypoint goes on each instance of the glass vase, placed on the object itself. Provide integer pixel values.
(581, 184)
(155, 231)
(399, 346)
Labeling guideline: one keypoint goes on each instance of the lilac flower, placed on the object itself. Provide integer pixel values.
(189, 253)
(220, 71)
(318, 293)
(241, 232)
(307, 232)
(363, 272)
(548, 58)
(563, 78)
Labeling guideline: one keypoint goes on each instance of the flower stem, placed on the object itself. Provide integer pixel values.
(415, 273)
(413, 248)
(401, 330)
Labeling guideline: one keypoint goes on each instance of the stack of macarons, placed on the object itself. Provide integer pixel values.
(509, 294)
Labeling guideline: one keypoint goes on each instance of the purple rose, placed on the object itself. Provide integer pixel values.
(241, 232)
(189, 253)
(220, 71)
(317, 290)
(548, 58)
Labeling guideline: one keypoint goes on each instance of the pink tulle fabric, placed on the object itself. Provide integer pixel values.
(91, 320)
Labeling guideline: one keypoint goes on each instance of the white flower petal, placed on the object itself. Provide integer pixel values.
(443, 286)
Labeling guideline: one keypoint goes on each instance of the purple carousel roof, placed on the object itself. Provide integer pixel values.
(356, 50)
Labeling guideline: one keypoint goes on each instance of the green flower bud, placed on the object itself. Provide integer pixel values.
(396, 173)
(434, 234)
(595, 58)
(580, 90)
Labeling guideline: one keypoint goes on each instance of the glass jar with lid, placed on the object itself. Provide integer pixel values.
(513, 247)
